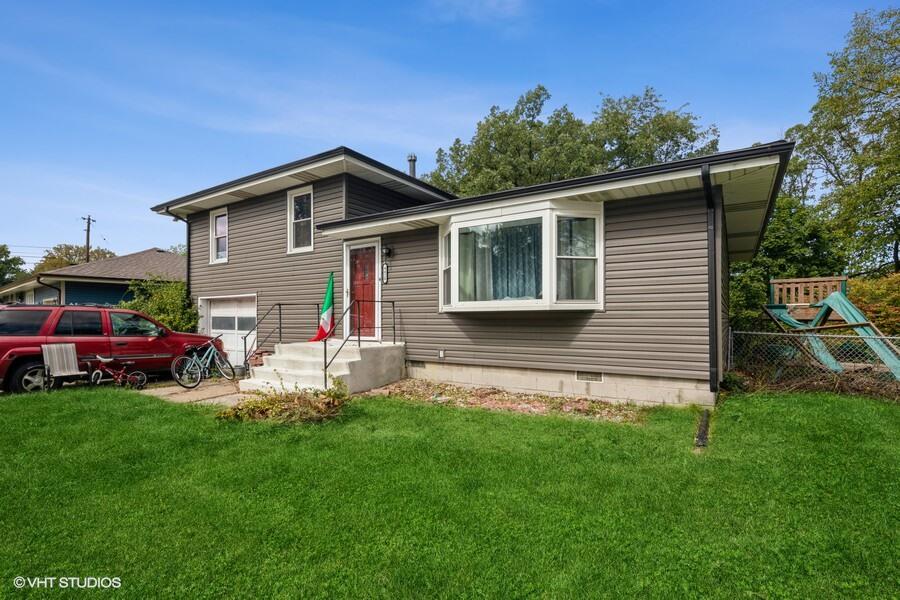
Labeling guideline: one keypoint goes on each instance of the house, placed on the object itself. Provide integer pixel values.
(611, 286)
(98, 282)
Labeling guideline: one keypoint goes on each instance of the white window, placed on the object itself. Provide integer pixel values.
(547, 259)
(218, 236)
(300, 220)
(445, 270)
(501, 261)
(576, 258)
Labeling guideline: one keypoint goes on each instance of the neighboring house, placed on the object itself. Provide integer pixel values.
(612, 286)
(98, 282)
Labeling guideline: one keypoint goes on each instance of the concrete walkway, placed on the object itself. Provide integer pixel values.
(221, 394)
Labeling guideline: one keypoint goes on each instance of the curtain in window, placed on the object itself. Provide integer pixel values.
(500, 261)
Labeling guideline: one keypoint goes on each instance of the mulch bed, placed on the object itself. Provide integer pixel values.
(502, 400)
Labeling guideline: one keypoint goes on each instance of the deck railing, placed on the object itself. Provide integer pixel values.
(806, 290)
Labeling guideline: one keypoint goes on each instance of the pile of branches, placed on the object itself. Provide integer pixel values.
(290, 406)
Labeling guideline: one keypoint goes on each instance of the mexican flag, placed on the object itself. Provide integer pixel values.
(326, 320)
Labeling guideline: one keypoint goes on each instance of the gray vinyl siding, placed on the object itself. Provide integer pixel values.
(258, 262)
(365, 198)
(655, 320)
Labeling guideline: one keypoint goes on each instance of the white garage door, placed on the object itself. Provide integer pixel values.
(233, 318)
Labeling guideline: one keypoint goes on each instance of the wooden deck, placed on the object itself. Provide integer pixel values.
(798, 294)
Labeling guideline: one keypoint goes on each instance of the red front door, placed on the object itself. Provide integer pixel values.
(362, 290)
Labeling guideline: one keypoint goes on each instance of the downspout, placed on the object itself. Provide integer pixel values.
(59, 295)
(187, 245)
(712, 275)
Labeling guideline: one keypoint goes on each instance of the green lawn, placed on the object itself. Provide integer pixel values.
(798, 495)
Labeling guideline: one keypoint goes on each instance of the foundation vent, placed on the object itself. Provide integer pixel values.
(415, 364)
(589, 376)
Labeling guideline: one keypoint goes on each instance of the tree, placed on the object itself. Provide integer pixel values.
(180, 249)
(64, 255)
(635, 131)
(852, 140)
(799, 242)
(165, 301)
(517, 147)
(10, 266)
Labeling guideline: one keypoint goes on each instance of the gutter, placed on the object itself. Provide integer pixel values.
(712, 276)
(187, 245)
(782, 148)
(59, 295)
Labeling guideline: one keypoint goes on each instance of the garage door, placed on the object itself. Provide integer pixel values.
(233, 318)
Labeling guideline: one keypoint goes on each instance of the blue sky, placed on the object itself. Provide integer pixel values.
(110, 108)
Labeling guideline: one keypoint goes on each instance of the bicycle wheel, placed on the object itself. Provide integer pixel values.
(186, 372)
(224, 367)
(137, 380)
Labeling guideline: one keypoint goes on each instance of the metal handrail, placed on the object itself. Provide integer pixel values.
(280, 328)
(326, 362)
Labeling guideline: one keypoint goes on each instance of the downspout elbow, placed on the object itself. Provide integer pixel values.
(52, 287)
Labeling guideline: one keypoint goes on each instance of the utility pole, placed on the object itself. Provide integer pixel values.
(87, 241)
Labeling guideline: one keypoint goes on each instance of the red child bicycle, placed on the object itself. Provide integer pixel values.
(120, 376)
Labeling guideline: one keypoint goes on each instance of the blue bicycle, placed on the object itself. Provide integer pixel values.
(195, 366)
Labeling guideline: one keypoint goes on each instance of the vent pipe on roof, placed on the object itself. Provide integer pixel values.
(412, 164)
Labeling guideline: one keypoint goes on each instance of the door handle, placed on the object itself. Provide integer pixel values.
(120, 344)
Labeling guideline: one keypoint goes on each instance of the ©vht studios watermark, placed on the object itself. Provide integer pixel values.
(71, 583)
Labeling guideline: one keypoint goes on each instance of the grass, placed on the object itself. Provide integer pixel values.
(797, 496)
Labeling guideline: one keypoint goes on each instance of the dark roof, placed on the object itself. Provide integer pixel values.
(780, 147)
(340, 150)
(140, 265)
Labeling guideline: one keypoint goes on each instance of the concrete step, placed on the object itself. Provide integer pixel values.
(293, 375)
(314, 350)
(303, 363)
(263, 385)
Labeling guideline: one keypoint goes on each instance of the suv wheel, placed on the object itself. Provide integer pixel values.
(28, 377)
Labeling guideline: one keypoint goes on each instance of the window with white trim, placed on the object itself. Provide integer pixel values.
(218, 236)
(445, 269)
(541, 258)
(576, 259)
(300, 220)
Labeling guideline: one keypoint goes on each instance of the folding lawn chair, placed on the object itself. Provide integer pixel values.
(60, 360)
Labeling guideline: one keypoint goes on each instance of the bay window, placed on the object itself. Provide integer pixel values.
(531, 260)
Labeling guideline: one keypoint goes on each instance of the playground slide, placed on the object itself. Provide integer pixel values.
(816, 345)
(839, 303)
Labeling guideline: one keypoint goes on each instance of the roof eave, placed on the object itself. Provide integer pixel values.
(335, 153)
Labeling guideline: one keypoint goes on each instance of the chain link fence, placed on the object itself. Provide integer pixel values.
(806, 361)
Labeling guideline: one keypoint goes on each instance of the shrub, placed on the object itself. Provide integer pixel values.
(291, 406)
(165, 301)
(879, 299)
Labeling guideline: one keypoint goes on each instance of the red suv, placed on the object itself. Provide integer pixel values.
(109, 332)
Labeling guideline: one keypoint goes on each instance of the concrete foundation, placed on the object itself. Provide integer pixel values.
(633, 389)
